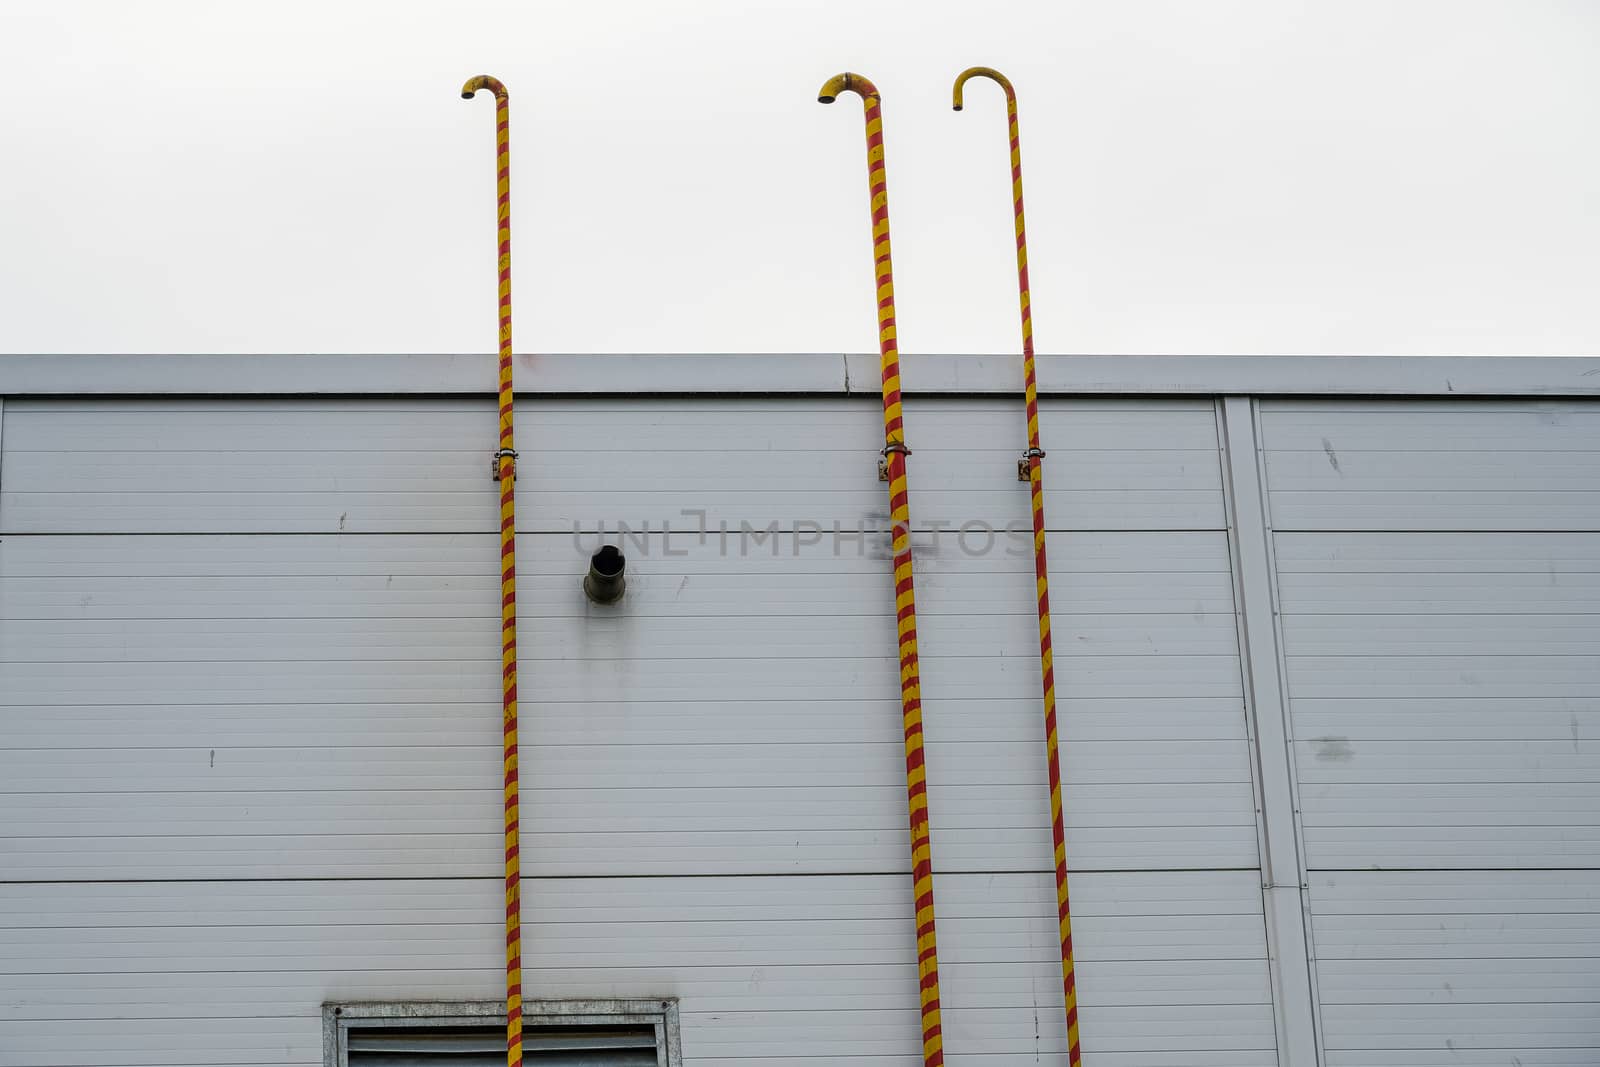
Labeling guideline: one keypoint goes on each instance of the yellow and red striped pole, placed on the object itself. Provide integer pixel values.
(1033, 458)
(506, 471)
(895, 453)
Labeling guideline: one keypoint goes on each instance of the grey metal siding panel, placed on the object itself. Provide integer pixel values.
(308, 690)
(1444, 694)
(418, 466)
(1498, 965)
(765, 967)
(1437, 570)
(1433, 465)
(278, 662)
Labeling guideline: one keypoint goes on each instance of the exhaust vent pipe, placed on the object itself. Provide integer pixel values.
(606, 581)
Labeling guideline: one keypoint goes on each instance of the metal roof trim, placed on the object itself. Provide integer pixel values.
(836, 374)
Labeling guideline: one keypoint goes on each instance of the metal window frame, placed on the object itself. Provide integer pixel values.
(338, 1017)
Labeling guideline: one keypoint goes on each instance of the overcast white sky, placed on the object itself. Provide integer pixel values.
(1338, 177)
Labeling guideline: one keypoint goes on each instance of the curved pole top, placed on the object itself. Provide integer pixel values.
(484, 81)
(847, 83)
(980, 72)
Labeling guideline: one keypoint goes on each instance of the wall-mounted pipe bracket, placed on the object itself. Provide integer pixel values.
(494, 463)
(1025, 464)
(883, 463)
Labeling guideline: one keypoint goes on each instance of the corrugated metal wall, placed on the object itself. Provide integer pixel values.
(249, 677)
(1439, 579)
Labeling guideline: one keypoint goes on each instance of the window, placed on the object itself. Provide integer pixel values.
(555, 1033)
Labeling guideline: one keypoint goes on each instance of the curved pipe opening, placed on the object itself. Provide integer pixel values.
(979, 72)
(483, 81)
(846, 83)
